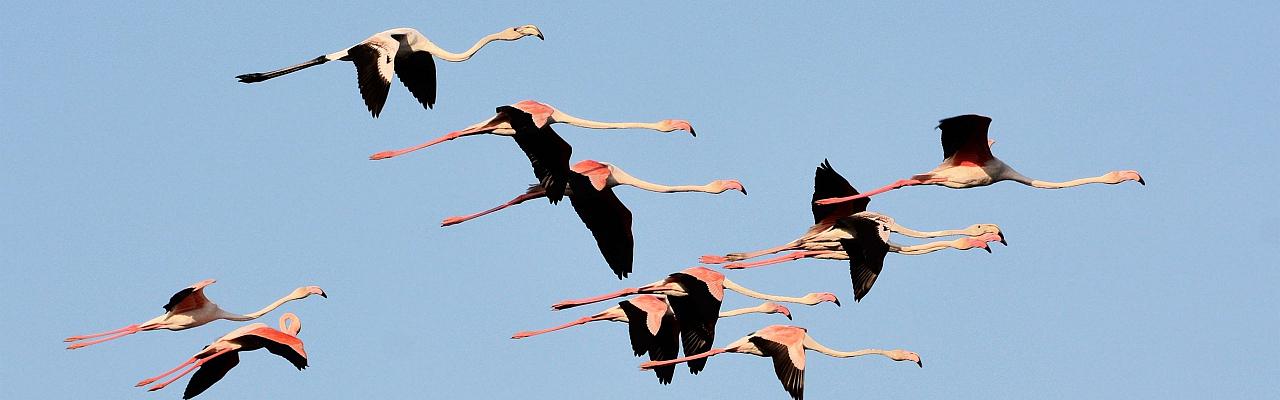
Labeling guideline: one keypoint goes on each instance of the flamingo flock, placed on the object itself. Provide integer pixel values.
(678, 313)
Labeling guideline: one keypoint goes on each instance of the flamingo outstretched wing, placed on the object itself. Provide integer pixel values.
(966, 135)
(417, 71)
(828, 183)
(608, 219)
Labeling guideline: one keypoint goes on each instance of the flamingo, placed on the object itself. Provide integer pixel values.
(403, 52)
(653, 327)
(603, 213)
(785, 345)
(542, 115)
(695, 295)
(822, 240)
(188, 309)
(863, 240)
(968, 162)
(215, 360)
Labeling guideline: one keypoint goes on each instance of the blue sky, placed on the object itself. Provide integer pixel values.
(134, 165)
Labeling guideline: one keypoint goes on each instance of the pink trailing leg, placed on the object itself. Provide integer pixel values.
(778, 260)
(196, 365)
(919, 180)
(519, 199)
(710, 259)
(116, 334)
(655, 364)
(579, 321)
(574, 303)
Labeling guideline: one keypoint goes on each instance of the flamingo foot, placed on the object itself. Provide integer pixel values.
(145, 382)
(383, 155)
(452, 221)
(563, 305)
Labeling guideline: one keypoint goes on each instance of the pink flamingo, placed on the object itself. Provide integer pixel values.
(403, 52)
(188, 309)
(865, 242)
(785, 345)
(822, 240)
(653, 327)
(507, 122)
(603, 213)
(216, 359)
(968, 162)
(695, 295)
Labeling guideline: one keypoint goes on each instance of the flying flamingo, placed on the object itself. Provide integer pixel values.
(785, 345)
(822, 240)
(864, 241)
(216, 359)
(542, 116)
(403, 52)
(604, 214)
(653, 327)
(967, 162)
(188, 309)
(695, 295)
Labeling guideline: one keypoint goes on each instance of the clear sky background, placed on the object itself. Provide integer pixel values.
(132, 164)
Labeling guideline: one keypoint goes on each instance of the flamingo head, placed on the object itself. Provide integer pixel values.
(989, 229)
(823, 298)
(1129, 175)
(668, 125)
(305, 291)
(728, 184)
(903, 355)
(527, 30)
(775, 308)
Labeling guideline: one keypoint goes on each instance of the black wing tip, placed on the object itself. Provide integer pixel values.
(961, 120)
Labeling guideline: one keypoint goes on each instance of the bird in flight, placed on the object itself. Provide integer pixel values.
(968, 162)
(215, 360)
(402, 52)
(785, 345)
(653, 326)
(188, 309)
(590, 190)
(695, 295)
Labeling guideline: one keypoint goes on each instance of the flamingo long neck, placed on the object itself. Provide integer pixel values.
(263, 311)
(560, 116)
(623, 178)
(290, 323)
(893, 226)
(751, 293)
(925, 248)
(1070, 183)
(762, 308)
(464, 56)
(811, 344)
